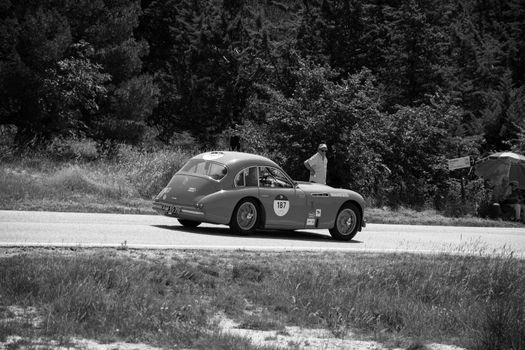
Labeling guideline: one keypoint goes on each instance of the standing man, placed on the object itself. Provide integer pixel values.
(317, 165)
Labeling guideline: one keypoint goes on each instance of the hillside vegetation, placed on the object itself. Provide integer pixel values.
(395, 87)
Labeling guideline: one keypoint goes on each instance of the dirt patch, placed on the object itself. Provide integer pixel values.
(16, 342)
(308, 339)
(290, 338)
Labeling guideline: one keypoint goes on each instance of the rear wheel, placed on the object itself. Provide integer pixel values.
(347, 223)
(245, 217)
(189, 223)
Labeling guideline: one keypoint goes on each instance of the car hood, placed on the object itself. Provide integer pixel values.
(320, 190)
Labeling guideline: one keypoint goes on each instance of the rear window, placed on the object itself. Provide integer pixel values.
(204, 167)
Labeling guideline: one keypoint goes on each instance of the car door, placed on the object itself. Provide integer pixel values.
(283, 202)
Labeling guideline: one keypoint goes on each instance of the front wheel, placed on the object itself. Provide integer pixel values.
(347, 223)
(189, 223)
(245, 217)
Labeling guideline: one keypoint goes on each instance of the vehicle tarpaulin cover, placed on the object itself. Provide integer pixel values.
(502, 165)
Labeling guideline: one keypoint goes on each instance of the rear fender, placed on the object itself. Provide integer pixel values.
(218, 207)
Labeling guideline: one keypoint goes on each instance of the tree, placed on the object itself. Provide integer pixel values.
(130, 106)
(69, 94)
(38, 41)
(10, 63)
(131, 95)
(486, 44)
(166, 25)
(63, 62)
(344, 35)
(333, 34)
(504, 116)
(205, 64)
(410, 58)
(311, 36)
(418, 142)
(345, 115)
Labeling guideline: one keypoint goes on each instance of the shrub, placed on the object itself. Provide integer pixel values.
(7, 137)
(73, 149)
(149, 172)
(455, 204)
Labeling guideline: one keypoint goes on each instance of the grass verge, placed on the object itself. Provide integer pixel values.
(125, 184)
(167, 298)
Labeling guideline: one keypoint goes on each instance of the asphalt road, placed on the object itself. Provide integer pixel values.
(18, 228)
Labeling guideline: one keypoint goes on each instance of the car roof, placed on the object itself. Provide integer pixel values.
(236, 159)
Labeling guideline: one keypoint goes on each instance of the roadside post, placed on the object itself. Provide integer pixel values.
(460, 163)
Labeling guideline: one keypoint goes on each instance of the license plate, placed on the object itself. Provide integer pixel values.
(172, 210)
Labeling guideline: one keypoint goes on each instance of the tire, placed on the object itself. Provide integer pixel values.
(189, 223)
(245, 217)
(347, 222)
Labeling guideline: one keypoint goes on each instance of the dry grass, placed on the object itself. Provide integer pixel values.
(167, 298)
(124, 184)
(70, 188)
(405, 216)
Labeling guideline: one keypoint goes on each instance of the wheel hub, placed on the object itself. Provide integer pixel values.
(346, 222)
(247, 216)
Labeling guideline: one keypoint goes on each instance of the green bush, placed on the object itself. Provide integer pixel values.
(73, 149)
(456, 204)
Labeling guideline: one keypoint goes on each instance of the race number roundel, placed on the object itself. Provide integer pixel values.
(281, 205)
(212, 156)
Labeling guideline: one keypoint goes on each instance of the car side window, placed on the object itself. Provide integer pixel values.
(271, 177)
(251, 177)
(265, 179)
(246, 178)
(239, 179)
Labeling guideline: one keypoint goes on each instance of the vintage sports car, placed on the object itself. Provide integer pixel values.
(249, 192)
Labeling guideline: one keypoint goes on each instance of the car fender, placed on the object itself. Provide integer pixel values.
(218, 207)
(333, 204)
(360, 207)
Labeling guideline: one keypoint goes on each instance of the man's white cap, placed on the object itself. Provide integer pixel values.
(323, 146)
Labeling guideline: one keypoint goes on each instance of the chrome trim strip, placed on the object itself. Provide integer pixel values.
(192, 212)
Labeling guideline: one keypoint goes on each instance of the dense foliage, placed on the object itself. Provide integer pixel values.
(395, 87)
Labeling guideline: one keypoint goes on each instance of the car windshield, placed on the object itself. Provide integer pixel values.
(204, 167)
